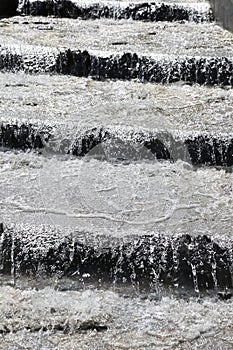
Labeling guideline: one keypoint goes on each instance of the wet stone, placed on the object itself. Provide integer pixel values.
(140, 56)
(90, 326)
(194, 263)
(158, 253)
(8, 8)
(117, 10)
(225, 295)
(128, 66)
(211, 150)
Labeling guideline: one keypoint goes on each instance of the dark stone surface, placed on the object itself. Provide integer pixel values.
(199, 150)
(142, 11)
(225, 295)
(208, 71)
(22, 136)
(128, 66)
(8, 7)
(180, 261)
(208, 150)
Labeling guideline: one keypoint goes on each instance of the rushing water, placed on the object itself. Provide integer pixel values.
(167, 55)
(83, 103)
(165, 226)
(116, 197)
(153, 39)
(107, 319)
(37, 313)
(103, 196)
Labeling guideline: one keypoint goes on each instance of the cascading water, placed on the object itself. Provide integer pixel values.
(116, 191)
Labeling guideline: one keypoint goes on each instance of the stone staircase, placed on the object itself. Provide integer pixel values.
(124, 114)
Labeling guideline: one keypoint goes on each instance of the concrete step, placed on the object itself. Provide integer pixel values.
(180, 262)
(57, 114)
(143, 222)
(136, 10)
(156, 52)
(87, 103)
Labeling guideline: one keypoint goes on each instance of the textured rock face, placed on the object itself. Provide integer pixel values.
(208, 71)
(126, 66)
(84, 53)
(8, 7)
(199, 150)
(136, 11)
(198, 263)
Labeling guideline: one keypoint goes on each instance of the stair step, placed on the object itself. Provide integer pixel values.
(59, 114)
(136, 10)
(117, 320)
(156, 52)
(108, 36)
(197, 149)
(180, 261)
(87, 103)
(115, 196)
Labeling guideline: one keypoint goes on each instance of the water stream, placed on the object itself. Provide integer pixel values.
(115, 193)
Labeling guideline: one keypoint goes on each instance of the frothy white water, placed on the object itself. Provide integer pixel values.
(82, 102)
(104, 197)
(49, 319)
(170, 39)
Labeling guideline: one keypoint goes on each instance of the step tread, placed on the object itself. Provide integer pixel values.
(87, 103)
(35, 309)
(108, 36)
(115, 198)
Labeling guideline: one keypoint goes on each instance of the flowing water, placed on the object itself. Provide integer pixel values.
(103, 246)
(107, 319)
(117, 199)
(100, 196)
(84, 103)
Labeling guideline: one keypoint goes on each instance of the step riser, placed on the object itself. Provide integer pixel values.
(130, 66)
(8, 7)
(204, 71)
(144, 11)
(198, 150)
(191, 262)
